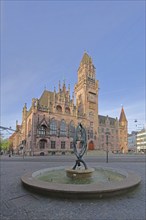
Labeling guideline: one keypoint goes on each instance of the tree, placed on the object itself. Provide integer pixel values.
(4, 144)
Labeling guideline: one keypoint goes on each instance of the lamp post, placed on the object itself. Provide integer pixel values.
(107, 142)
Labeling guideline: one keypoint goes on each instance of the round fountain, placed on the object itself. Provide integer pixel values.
(80, 181)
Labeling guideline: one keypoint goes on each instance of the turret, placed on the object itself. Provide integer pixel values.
(123, 132)
(54, 94)
(64, 87)
(59, 87)
(24, 112)
(69, 89)
(16, 125)
(24, 122)
(34, 104)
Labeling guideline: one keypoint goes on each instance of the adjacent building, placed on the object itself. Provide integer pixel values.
(16, 139)
(48, 127)
(141, 141)
(132, 143)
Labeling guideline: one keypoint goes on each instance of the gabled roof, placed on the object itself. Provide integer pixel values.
(102, 119)
(43, 122)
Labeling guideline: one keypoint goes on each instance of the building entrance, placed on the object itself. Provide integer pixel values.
(91, 145)
(42, 144)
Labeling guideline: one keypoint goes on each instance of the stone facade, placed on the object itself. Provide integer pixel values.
(48, 126)
(16, 138)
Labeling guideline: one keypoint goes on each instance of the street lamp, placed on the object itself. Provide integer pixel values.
(107, 142)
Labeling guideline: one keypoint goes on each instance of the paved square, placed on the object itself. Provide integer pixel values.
(19, 204)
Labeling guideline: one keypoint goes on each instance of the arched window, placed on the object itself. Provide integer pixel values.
(67, 110)
(63, 128)
(71, 129)
(42, 130)
(59, 108)
(53, 127)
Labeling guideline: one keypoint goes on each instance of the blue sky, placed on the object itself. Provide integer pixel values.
(43, 42)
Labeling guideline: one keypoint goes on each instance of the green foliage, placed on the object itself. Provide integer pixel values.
(4, 145)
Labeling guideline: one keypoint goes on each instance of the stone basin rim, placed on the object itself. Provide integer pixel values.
(92, 190)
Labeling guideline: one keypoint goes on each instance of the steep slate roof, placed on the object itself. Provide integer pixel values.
(122, 116)
(102, 119)
(43, 101)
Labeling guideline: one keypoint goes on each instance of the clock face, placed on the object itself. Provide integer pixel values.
(92, 97)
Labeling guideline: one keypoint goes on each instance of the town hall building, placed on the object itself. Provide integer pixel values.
(48, 127)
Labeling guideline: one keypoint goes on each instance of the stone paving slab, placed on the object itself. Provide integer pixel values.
(16, 203)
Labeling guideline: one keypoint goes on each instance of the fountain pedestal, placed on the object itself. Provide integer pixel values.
(79, 173)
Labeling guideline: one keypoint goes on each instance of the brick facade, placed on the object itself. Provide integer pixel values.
(48, 126)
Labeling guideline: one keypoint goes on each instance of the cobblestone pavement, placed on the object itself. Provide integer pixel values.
(17, 203)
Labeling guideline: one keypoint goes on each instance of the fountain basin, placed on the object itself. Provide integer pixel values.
(91, 190)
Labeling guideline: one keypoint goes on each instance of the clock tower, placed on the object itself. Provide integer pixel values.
(86, 92)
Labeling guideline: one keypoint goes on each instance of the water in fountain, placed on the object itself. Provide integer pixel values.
(99, 175)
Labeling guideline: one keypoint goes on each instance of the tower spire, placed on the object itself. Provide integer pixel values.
(122, 116)
(86, 58)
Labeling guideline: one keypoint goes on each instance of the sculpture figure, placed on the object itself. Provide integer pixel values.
(80, 138)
